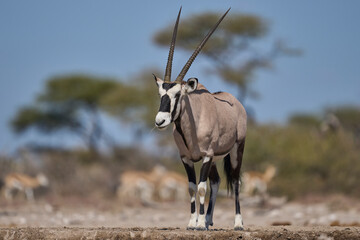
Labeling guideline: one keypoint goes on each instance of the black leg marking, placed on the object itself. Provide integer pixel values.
(237, 202)
(202, 211)
(210, 206)
(214, 186)
(193, 207)
(214, 175)
(236, 176)
(204, 172)
(190, 171)
(236, 185)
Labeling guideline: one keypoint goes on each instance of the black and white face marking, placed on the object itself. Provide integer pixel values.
(169, 110)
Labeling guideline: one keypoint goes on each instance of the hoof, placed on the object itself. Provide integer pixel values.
(238, 228)
(190, 228)
(201, 229)
(207, 225)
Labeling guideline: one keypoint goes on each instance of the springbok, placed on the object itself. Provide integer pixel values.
(172, 186)
(208, 127)
(139, 186)
(257, 182)
(25, 183)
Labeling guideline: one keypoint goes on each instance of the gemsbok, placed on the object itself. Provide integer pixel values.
(208, 127)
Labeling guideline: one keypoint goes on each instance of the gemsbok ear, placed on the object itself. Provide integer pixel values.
(191, 85)
(157, 80)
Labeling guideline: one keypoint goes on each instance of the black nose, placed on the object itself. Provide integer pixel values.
(159, 124)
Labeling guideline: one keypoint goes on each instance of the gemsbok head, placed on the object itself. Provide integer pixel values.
(208, 127)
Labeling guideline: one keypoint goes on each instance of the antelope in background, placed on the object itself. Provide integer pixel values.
(23, 183)
(138, 186)
(172, 186)
(257, 182)
(208, 127)
(147, 187)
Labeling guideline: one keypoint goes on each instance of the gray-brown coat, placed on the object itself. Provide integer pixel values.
(207, 127)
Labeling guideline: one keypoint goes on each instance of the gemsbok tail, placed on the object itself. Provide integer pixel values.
(228, 172)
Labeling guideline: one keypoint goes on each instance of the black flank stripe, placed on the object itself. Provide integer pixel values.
(178, 128)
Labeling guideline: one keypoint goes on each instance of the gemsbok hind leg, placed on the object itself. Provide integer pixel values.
(232, 166)
(236, 161)
(190, 171)
(214, 187)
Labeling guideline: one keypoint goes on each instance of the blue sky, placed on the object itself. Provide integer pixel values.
(40, 39)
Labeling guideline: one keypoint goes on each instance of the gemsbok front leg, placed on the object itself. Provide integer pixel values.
(204, 174)
(214, 188)
(190, 171)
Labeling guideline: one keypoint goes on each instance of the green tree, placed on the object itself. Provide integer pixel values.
(231, 49)
(305, 120)
(349, 117)
(136, 103)
(75, 103)
(70, 103)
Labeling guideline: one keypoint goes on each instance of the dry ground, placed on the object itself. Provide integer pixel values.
(107, 219)
(320, 233)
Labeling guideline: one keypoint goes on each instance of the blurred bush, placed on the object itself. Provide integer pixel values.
(75, 173)
(309, 160)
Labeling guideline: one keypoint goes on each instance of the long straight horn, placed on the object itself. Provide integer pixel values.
(167, 77)
(197, 50)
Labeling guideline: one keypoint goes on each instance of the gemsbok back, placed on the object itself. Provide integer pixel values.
(208, 127)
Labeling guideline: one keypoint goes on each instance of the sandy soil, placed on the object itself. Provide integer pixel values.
(331, 218)
(319, 233)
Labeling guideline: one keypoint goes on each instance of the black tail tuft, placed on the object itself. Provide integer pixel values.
(228, 172)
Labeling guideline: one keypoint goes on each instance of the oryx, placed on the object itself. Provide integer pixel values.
(208, 127)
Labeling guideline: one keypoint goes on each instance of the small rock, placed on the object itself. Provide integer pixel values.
(144, 234)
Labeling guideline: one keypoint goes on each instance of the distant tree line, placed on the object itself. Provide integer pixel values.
(74, 103)
(314, 153)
